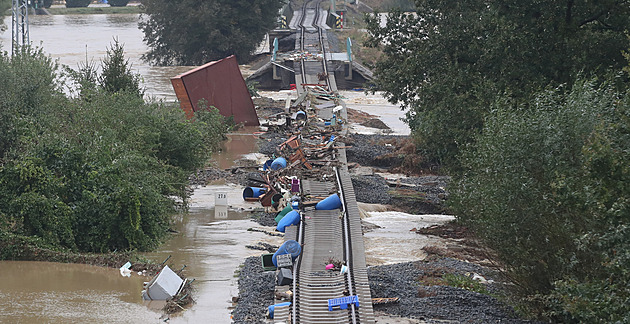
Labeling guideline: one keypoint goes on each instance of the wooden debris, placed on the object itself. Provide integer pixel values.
(383, 301)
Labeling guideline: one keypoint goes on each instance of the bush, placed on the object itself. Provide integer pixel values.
(118, 3)
(97, 173)
(600, 293)
(77, 3)
(528, 190)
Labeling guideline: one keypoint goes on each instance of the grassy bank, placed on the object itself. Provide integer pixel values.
(23, 248)
(95, 10)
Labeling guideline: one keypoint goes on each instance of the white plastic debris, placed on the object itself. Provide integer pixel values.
(125, 271)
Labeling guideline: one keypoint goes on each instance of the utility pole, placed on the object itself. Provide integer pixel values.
(19, 25)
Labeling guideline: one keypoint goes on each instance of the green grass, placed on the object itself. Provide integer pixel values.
(464, 282)
(95, 10)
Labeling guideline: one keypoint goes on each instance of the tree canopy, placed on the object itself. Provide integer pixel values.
(450, 60)
(546, 189)
(192, 32)
(99, 172)
(5, 5)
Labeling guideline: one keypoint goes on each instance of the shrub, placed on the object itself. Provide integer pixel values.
(523, 188)
(95, 173)
(77, 3)
(464, 282)
(118, 3)
(600, 292)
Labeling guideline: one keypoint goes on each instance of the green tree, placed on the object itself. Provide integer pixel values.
(94, 173)
(448, 62)
(5, 5)
(193, 32)
(28, 81)
(546, 189)
(117, 75)
(600, 292)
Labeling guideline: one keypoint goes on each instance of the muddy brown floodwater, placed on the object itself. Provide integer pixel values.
(211, 239)
(210, 242)
(46, 292)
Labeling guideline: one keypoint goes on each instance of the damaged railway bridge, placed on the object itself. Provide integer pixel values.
(280, 72)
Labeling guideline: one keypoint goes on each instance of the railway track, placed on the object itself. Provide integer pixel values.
(320, 295)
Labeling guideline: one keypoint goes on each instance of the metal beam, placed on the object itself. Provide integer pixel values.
(19, 25)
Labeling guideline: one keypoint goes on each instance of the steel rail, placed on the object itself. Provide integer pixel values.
(347, 242)
(322, 46)
(302, 38)
(321, 231)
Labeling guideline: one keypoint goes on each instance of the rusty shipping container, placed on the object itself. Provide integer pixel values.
(222, 85)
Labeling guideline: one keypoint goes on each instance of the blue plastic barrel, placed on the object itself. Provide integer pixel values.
(282, 213)
(289, 247)
(291, 218)
(272, 308)
(330, 203)
(253, 192)
(278, 163)
(267, 165)
(300, 115)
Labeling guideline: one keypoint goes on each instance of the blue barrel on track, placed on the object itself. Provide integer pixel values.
(330, 203)
(267, 165)
(282, 213)
(291, 218)
(289, 247)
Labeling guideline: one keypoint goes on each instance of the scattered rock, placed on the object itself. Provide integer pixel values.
(435, 303)
(256, 292)
(372, 189)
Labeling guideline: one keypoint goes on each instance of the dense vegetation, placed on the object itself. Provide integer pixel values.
(97, 172)
(526, 105)
(5, 5)
(192, 32)
(449, 61)
(546, 189)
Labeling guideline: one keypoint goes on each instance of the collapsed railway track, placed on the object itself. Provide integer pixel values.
(337, 294)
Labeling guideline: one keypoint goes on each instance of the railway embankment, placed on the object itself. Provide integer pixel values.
(452, 281)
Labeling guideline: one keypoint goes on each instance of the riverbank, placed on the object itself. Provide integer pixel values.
(19, 248)
(95, 10)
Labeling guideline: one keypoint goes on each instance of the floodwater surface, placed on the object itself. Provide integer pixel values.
(47, 292)
(76, 39)
(209, 241)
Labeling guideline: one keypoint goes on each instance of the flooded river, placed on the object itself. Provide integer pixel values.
(210, 241)
(74, 38)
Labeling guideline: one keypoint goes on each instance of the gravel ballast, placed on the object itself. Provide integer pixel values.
(436, 303)
(432, 304)
(256, 288)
